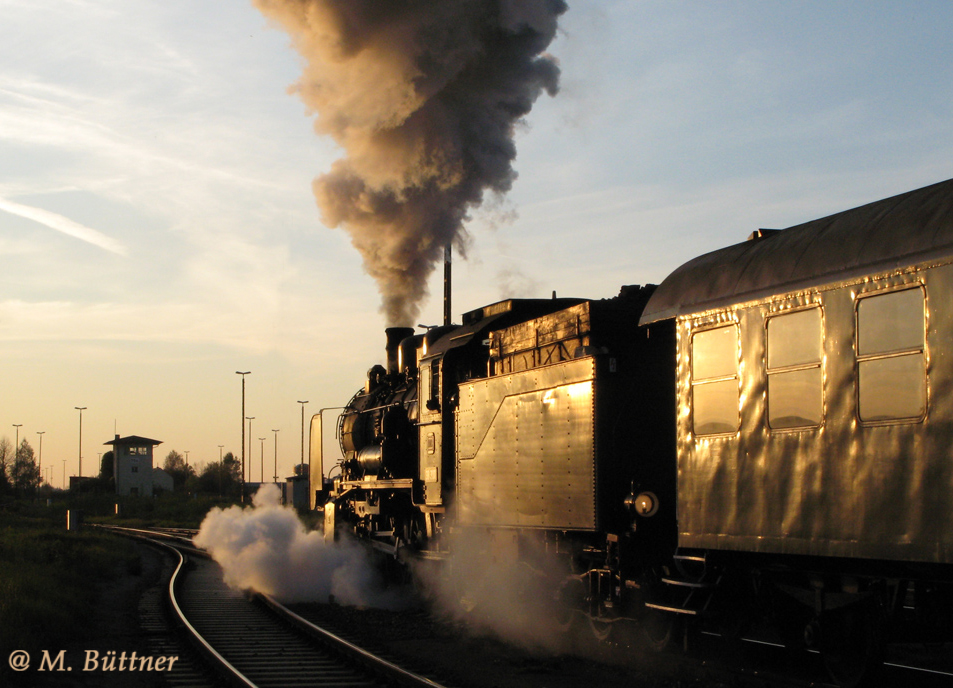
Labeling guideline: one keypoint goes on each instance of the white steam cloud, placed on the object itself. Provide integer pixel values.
(268, 549)
(494, 583)
(499, 584)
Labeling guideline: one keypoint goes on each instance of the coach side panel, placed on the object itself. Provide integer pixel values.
(821, 422)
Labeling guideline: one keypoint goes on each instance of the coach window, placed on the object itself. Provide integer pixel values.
(715, 393)
(794, 370)
(890, 356)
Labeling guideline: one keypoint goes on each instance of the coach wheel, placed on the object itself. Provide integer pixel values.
(659, 629)
(851, 644)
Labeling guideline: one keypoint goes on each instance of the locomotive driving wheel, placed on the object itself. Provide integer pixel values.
(570, 600)
(601, 627)
(602, 619)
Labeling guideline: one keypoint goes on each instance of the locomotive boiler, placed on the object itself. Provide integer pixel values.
(765, 436)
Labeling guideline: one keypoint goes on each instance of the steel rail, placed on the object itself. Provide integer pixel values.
(234, 676)
(375, 664)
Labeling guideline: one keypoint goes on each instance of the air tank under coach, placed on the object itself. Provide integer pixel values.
(764, 439)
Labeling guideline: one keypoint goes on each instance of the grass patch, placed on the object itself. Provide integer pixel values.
(49, 577)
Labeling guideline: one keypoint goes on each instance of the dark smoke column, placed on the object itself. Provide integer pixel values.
(423, 95)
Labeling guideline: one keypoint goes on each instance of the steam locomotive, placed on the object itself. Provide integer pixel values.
(766, 434)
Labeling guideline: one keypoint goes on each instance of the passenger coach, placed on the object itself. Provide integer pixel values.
(815, 368)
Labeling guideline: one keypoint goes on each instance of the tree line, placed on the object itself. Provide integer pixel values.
(20, 474)
(219, 477)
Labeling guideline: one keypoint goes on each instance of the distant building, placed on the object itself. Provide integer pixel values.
(132, 467)
(295, 490)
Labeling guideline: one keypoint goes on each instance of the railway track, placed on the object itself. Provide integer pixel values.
(242, 633)
(253, 640)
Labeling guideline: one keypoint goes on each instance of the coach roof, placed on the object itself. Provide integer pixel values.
(903, 230)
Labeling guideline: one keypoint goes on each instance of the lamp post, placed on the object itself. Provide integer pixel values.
(262, 459)
(40, 466)
(276, 454)
(64, 474)
(302, 428)
(16, 445)
(249, 419)
(80, 409)
(242, 485)
(221, 465)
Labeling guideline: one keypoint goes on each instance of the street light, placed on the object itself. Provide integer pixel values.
(276, 454)
(242, 485)
(221, 466)
(302, 428)
(249, 419)
(16, 446)
(40, 467)
(80, 409)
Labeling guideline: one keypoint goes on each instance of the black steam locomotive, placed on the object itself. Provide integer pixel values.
(768, 433)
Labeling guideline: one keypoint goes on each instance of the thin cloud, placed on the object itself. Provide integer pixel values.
(64, 225)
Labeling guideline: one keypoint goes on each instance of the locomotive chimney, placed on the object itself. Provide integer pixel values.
(395, 335)
(447, 317)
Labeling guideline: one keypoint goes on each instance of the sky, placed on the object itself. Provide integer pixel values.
(158, 230)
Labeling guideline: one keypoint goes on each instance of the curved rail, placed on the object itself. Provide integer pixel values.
(360, 661)
(235, 676)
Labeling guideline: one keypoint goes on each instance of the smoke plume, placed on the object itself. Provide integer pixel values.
(423, 96)
(267, 549)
